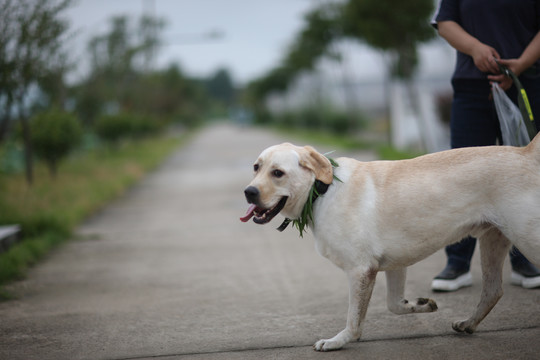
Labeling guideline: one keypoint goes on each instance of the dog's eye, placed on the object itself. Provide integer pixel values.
(278, 173)
(256, 167)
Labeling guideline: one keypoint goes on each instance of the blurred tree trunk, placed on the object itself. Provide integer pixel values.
(5, 119)
(28, 153)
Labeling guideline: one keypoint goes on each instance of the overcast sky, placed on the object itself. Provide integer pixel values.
(255, 32)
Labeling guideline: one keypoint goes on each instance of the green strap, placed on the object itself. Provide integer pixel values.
(523, 102)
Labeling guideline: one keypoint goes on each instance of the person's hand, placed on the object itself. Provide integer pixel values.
(484, 58)
(505, 82)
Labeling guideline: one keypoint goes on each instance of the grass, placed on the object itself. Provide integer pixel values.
(324, 138)
(347, 142)
(50, 209)
(387, 152)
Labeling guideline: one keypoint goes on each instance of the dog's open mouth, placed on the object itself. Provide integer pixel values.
(263, 216)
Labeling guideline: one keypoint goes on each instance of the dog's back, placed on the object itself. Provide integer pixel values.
(445, 196)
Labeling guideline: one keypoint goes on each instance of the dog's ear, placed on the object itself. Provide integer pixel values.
(318, 163)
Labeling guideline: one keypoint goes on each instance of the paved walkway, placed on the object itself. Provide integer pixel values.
(169, 272)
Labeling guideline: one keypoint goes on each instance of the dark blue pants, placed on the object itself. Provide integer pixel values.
(474, 122)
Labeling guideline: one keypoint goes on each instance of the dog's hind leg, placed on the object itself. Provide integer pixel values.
(361, 283)
(395, 301)
(493, 249)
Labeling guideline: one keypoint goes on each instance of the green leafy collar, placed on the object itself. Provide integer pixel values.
(306, 216)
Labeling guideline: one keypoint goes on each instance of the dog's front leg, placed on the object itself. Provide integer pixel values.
(395, 301)
(361, 284)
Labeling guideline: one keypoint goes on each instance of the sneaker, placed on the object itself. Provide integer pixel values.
(451, 279)
(527, 276)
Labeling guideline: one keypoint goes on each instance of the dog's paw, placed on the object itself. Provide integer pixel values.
(463, 326)
(426, 305)
(327, 345)
(336, 342)
(420, 305)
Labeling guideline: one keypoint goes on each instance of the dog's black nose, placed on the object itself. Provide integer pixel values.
(252, 194)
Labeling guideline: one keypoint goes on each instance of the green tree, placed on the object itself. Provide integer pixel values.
(322, 27)
(32, 33)
(114, 128)
(220, 86)
(117, 59)
(55, 134)
(122, 78)
(168, 95)
(395, 27)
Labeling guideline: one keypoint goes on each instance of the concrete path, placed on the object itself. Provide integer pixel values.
(169, 272)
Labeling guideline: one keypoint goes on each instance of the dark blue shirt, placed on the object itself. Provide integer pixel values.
(506, 25)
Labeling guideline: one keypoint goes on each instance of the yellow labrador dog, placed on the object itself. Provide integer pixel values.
(387, 215)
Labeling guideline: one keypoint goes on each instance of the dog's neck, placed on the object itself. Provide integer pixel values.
(306, 216)
(319, 188)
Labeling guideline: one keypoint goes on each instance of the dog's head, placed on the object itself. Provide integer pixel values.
(284, 175)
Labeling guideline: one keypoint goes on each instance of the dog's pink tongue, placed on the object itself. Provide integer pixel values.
(249, 213)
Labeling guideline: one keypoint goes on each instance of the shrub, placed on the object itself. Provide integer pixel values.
(114, 128)
(341, 123)
(335, 121)
(55, 134)
(143, 126)
(311, 118)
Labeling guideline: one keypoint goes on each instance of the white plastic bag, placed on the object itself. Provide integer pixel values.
(513, 129)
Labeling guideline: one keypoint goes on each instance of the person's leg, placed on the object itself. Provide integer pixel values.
(460, 254)
(456, 273)
(524, 273)
(473, 119)
(473, 123)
